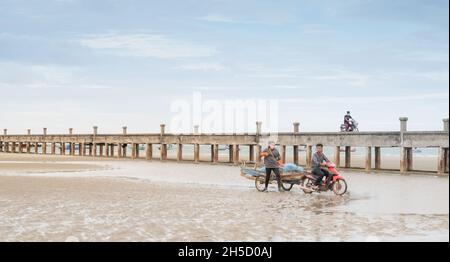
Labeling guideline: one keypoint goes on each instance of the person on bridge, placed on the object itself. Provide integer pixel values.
(272, 162)
(347, 121)
(319, 160)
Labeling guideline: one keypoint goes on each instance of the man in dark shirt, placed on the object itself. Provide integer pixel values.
(347, 118)
(272, 161)
(319, 160)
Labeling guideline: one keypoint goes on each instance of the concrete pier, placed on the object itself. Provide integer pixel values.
(115, 145)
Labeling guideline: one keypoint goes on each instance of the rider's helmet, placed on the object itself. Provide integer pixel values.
(348, 112)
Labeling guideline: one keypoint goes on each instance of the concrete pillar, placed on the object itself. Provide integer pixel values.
(295, 154)
(258, 154)
(230, 154)
(179, 152)
(124, 150)
(258, 131)
(53, 148)
(403, 160)
(283, 153)
(236, 154)
(101, 152)
(91, 150)
(13, 147)
(44, 148)
(212, 153)
(403, 124)
(36, 148)
(29, 132)
(337, 156)
(163, 152)
(441, 160)
(134, 147)
(368, 162)
(112, 150)
(119, 150)
(95, 129)
(162, 129)
(6, 147)
(72, 149)
(348, 157)
(107, 149)
(377, 157)
(149, 152)
(196, 153)
(70, 131)
(5, 132)
(81, 149)
(216, 153)
(196, 129)
(124, 130)
(94, 149)
(308, 156)
(445, 121)
(20, 147)
(296, 128)
(409, 158)
(63, 148)
(251, 152)
(44, 131)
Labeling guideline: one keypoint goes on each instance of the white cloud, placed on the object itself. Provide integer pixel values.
(145, 45)
(216, 67)
(217, 18)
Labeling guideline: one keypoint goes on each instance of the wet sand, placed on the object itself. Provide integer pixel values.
(153, 201)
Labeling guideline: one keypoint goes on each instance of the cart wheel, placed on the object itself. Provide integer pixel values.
(307, 183)
(286, 186)
(260, 184)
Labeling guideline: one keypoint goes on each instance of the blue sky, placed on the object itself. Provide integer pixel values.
(79, 63)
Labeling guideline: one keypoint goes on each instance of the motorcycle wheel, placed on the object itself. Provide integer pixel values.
(307, 183)
(260, 184)
(339, 187)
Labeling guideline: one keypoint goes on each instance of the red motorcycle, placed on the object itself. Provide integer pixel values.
(336, 184)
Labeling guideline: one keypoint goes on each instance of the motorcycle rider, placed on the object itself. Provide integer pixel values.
(272, 161)
(348, 124)
(319, 160)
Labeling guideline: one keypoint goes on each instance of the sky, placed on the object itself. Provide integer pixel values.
(114, 63)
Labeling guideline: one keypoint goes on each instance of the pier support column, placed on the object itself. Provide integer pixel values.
(101, 146)
(112, 153)
(94, 149)
(212, 153)
(63, 148)
(216, 153)
(258, 154)
(295, 154)
(149, 151)
(53, 148)
(443, 159)
(107, 150)
(119, 150)
(44, 148)
(308, 156)
(81, 148)
(28, 147)
(405, 159)
(134, 147)
(283, 153)
(6, 147)
(180, 152)
(13, 147)
(230, 154)
(196, 153)
(72, 149)
(36, 148)
(377, 157)
(236, 154)
(337, 156)
(348, 156)
(251, 153)
(20, 147)
(368, 162)
(124, 150)
(163, 152)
